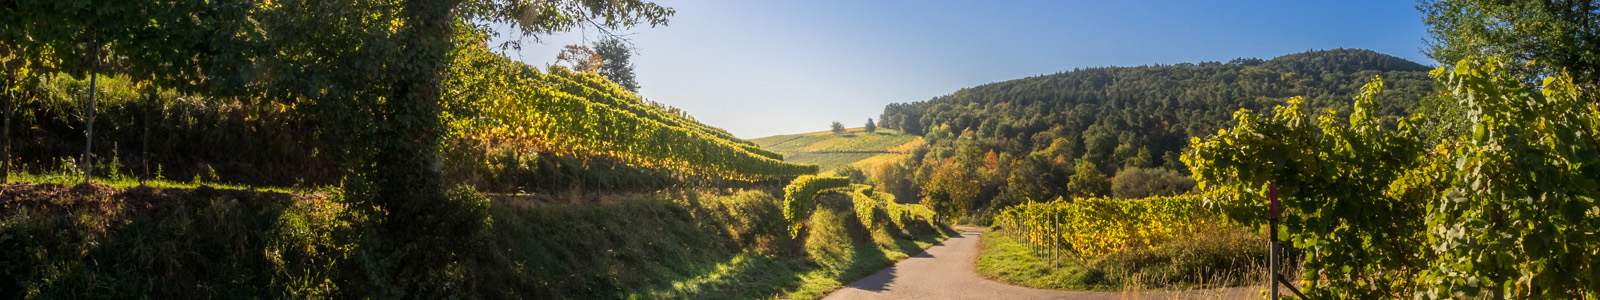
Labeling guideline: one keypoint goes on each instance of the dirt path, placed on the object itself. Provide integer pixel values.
(946, 271)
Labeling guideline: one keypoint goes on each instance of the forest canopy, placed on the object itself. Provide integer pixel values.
(1045, 128)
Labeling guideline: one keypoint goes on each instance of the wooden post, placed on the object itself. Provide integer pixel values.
(1272, 238)
(1055, 238)
(88, 132)
(144, 144)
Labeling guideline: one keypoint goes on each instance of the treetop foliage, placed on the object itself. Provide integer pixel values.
(538, 18)
(1536, 39)
(615, 54)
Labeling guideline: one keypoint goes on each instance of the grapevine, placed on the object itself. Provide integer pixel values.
(799, 198)
(499, 104)
(1094, 227)
(1502, 209)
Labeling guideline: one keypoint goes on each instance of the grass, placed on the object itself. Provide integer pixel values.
(828, 162)
(129, 182)
(1006, 260)
(829, 151)
(854, 139)
(110, 242)
(1228, 257)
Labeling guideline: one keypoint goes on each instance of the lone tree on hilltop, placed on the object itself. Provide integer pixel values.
(871, 127)
(838, 128)
(614, 65)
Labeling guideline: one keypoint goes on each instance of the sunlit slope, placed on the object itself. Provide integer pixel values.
(830, 151)
(512, 108)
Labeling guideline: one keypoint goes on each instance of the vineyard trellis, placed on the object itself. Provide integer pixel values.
(799, 198)
(1085, 228)
(501, 103)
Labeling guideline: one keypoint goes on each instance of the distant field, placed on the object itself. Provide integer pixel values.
(830, 151)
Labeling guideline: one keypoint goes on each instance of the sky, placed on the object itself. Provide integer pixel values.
(762, 68)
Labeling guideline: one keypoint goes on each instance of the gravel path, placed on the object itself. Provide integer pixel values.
(946, 271)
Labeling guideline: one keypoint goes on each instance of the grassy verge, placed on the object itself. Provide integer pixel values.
(1005, 260)
(1226, 257)
(110, 242)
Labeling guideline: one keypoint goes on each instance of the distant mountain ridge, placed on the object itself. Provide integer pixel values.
(1322, 76)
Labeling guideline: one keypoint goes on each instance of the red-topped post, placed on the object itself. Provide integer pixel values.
(1272, 237)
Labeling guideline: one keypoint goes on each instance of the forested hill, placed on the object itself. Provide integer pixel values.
(1119, 117)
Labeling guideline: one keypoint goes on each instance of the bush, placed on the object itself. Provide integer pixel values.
(1134, 183)
(853, 173)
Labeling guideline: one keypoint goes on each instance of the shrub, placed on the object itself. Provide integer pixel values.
(1134, 183)
(853, 173)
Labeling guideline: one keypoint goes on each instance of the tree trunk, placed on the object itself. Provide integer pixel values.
(406, 165)
(151, 97)
(403, 176)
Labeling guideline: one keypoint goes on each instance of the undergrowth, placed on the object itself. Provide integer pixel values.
(111, 242)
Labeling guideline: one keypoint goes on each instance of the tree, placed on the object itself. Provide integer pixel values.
(1088, 181)
(581, 58)
(614, 54)
(950, 191)
(1535, 38)
(911, 124)
(78, 38)
(838, 128)
(856, 175)
(1031, 179)
(386, 107)
(893, 177)
(373, 77)
(870, 127)
(1143, 159)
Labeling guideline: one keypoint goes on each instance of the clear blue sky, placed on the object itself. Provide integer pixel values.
(761, 68)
